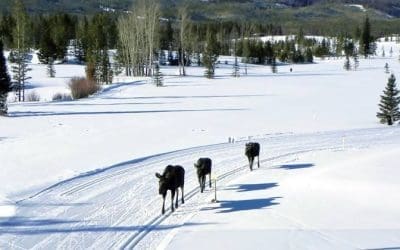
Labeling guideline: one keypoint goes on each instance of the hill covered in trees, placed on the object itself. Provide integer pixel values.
(316, 17)
(205, 9)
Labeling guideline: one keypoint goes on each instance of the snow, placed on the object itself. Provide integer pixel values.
(324, 200)
(107, 9)
(80, 174)
(290, 37)
(358, 6)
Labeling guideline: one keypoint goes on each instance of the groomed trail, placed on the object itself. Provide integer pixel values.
(119, 207)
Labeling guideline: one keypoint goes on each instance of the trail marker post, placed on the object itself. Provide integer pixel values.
(214, 179)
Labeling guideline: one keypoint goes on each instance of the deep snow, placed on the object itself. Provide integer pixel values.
(81, 174)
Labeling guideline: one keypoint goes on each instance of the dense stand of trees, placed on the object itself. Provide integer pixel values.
(141, 38)
(5, 82)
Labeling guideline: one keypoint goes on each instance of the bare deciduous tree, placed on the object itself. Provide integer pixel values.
(138, 37)
(183, 39)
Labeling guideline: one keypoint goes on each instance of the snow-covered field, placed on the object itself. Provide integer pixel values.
(80, 174)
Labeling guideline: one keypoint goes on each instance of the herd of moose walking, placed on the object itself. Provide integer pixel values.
(173, 177)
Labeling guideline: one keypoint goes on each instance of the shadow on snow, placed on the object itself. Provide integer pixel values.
(26, 226)
(229, 206)
(73, 103)
(296, 166)
(251, 187)
(17, 114)
(182, 97)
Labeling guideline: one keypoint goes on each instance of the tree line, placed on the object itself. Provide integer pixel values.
(142, 38)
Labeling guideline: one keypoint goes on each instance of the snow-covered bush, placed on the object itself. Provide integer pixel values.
(32, 97)
(81, 87)
(58, 97)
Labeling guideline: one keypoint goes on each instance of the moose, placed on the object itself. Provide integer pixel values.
(172, 179)
(252, 150)
(203, 166)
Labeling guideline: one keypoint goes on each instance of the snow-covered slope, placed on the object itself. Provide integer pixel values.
(319, 200)
(80, 174)
(328, 190)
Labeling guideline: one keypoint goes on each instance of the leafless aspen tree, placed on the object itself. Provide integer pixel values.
(183, 39)
(138, 36)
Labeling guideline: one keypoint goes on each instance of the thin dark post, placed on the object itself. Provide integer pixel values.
(215, 190)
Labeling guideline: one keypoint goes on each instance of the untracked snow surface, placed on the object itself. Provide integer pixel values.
(80, 174)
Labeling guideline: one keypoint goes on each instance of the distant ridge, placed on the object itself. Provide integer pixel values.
(206, 9)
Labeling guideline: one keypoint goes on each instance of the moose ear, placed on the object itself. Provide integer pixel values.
(158, 175)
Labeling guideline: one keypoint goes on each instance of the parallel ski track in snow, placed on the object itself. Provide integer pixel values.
(121, 207)
(135, 239)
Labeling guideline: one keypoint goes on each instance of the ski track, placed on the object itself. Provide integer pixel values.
(119, 207)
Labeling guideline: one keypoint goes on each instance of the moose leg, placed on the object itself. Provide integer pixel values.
(163, 205)
(200, 182)
(258, 158)
(183, 201)
(177, 197)
(209, 177)
(172, 200)
(203, 180)
(251, 159)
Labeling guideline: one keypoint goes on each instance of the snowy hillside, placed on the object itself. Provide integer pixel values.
(80, 174)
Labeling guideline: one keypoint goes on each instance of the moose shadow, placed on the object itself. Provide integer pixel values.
(252, 187)
(229, 206)
(296, 166)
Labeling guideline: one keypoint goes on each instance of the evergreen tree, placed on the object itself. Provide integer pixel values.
(97, 58)
(50, 68)
(62, 29)
(82, 40)
(47, 47)
(309, 56)
(5, 82)
(348, 51)
(389, 104)
(269, 52)
(347, 64)
(387, 68)
(357, 34)
(236, 67)
(348, 48)
(157, 76)
(210, 55)
(274, 68)
(322, 49)
(106, 72)
(6, 34)
(20, 48)
(367, 48)
(300, 38)
(20, 74)
(356, 61)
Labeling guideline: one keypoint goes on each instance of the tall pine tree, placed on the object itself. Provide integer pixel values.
(5, 82)
(20, 48)
(210, 54)
(47, 47)
(50, 68)
(389, 105)
(367, 48)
